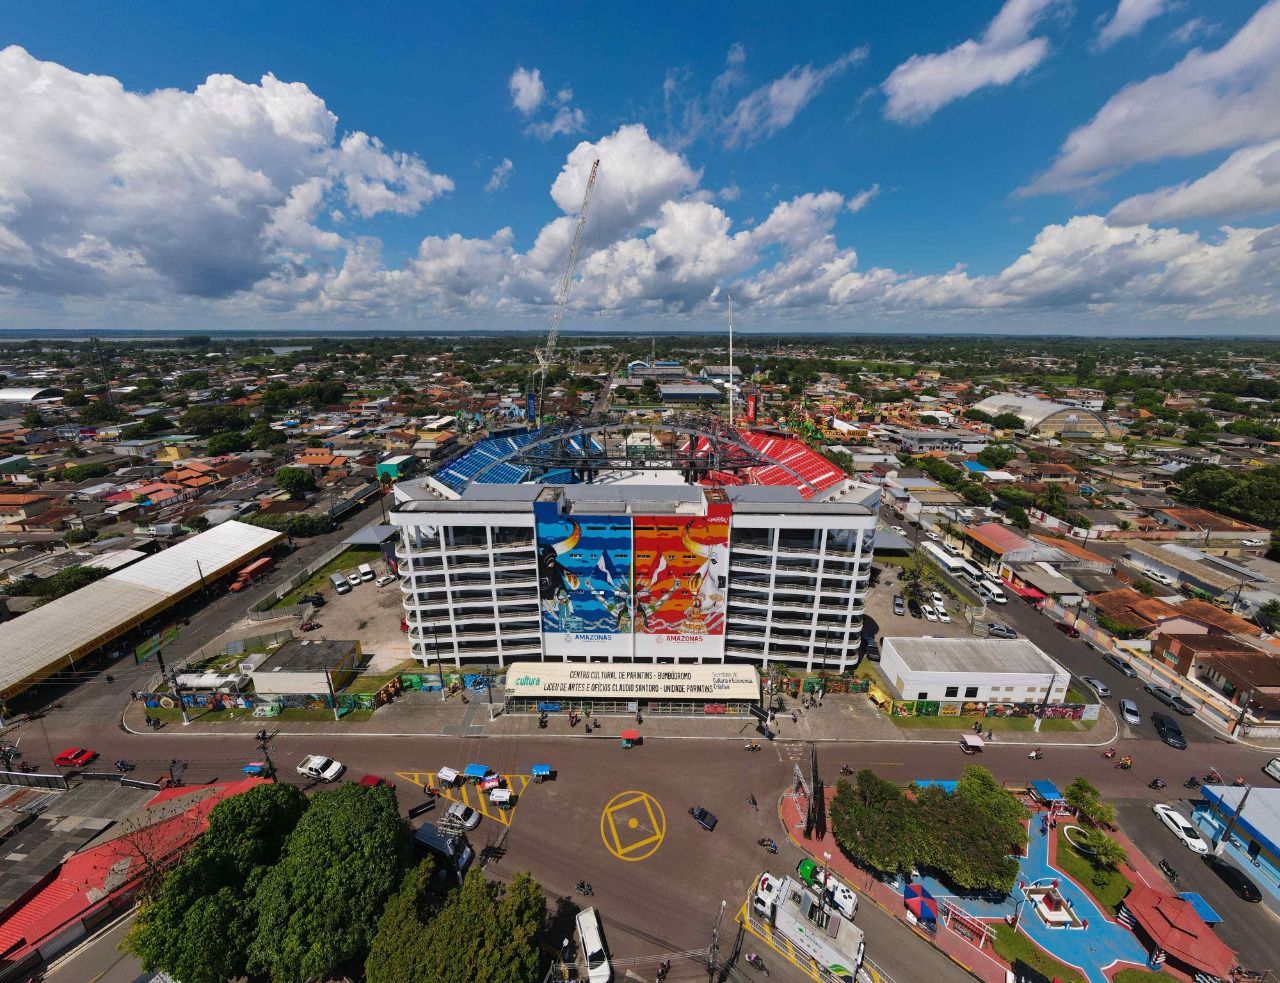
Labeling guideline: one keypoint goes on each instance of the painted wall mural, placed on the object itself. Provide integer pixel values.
(584, 578)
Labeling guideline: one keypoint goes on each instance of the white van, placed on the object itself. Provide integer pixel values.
(366, 572)
(996, 591)
(339, 583)
(592, 940)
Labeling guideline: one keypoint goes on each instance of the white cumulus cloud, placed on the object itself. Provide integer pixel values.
(500, 176)
(1210, 100)
(1130, 17)
(527, 90)
(198, 192)
(862, 199)
(923, 84)
(772, 107)
(1246, 183)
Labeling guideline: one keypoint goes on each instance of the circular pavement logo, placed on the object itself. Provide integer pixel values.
(633, 825)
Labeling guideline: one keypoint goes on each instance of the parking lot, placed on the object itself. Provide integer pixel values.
(368, 614)
(879, 605)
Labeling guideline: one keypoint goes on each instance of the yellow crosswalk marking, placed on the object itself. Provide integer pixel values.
(472, 796)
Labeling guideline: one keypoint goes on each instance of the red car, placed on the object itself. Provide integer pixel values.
(1071, 631)
(374, 781)
(75, 757)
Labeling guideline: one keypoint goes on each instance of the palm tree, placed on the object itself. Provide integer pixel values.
(1101, 849)
(1052, 500)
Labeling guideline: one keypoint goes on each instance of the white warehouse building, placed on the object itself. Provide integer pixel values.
(767, 563)
(989, 670)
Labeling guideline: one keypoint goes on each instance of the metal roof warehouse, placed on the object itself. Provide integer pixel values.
(43, 641)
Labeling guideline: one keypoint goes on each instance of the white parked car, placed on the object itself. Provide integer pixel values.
(385, 579)
(942, 614)
(933, 535)
(467, 817)
(927, 609)
(899, 530)
(937, 599)
(1181, 827)
(593, 951)
(320, 768)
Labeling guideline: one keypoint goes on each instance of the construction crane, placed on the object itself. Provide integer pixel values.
(547, 353)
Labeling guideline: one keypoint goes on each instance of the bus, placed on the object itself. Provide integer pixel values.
(970, 573)
(952, 564)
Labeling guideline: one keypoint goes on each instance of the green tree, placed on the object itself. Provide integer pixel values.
(1100, 849)
(1007, 421)
(482, 932)
(205, 902)
(1198, 420)
(1268, 615)
(296, 481)
(208, 420)
(85, 472)
(996, 456)
(875, 823)
(1082, 796)
(60, 584)
(1018, 516)
(228, 442)
(263, 436)
(963, 843)
(32, 418)
(101, 412)
(318, 907)
(1052, 500)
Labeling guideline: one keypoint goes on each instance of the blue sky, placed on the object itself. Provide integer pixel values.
(1033, 165)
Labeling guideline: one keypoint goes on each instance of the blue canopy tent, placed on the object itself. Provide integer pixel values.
(1046, 792)
(477, 771)
(1202, 908)
(946, 785)
(541, 773)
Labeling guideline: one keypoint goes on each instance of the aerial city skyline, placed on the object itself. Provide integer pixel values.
(1032, 166)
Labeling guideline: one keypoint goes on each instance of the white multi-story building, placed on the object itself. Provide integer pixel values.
(640, 567)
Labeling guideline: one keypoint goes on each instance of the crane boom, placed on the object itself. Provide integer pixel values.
(546, 354)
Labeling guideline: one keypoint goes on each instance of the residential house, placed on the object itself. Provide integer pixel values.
(16, 508)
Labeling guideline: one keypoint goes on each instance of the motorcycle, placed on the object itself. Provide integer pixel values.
(27, 767)
(1155, 783)
(1169, 872)
(1213, 778)
(768, 844)
(1109, 753)
(1191, 782)
(1125, 763)
(584, 888)
(1036, 755)
(751, 746)
(846, 770)
(756, 963)
(123, 766)
(309, 626)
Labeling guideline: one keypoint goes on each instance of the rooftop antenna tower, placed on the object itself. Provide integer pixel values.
(730, 385)
(547, 353)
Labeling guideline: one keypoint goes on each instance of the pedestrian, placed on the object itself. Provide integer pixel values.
(752, 799)
(133, 694)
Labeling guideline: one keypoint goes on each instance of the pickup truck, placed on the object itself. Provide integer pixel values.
(320, 768)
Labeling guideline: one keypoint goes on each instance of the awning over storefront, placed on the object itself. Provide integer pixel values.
(1026, 593)
(1260, 817)
(625, 681)
(1173, 925)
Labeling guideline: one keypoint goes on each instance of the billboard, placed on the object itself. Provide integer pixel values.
(681, 574)
(584, 581)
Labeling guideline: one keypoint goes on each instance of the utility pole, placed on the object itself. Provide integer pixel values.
(1244, 710)
(172, 677)
(1225, 836)
(263, 740)
(730, 385)
(333, 698)
(713, 953)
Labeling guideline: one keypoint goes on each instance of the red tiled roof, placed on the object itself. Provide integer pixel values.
(80, 883)
(1174, 926)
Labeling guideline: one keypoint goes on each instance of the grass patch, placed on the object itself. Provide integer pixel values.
(1139, 976)
(1010, 945)
(1072, 862)
(1057, 724)
(372, 682)
(319, 580)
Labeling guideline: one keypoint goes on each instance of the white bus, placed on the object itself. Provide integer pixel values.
(952, 564)
(970, 573)
(995, 590)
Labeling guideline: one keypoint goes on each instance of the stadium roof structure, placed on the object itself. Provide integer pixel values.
(38, 644)
(28, 394)
(704, 448)
(1032, 410)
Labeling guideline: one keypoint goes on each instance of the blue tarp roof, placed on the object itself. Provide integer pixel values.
(1046, 790)
(946, 786)
(1202, 908)
(974, 466)
(477, 771)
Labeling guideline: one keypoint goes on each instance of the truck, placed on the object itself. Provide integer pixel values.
(254, 571)
(811, 926)
(320, 768)
(452, 852)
